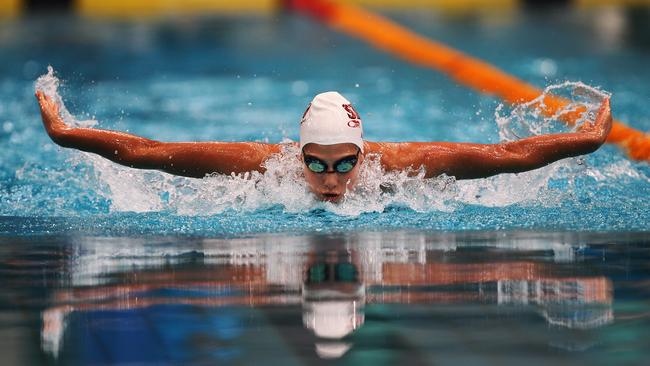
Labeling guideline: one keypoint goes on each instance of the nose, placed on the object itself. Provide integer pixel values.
(330, 181)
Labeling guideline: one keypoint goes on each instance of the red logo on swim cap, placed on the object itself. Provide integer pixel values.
(351, 112)
(355, 121)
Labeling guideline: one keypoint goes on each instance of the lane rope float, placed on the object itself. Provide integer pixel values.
(474, 73)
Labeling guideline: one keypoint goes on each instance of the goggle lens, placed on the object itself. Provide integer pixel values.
(316, 166)
(345, 166)
(342, 166)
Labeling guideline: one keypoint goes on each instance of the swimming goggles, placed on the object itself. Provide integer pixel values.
(332, 272)
(344, 165)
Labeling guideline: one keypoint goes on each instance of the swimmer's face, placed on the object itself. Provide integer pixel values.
(331, 185)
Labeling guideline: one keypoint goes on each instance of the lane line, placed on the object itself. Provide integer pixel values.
(479, 75)
(155, 8)
(10, 8)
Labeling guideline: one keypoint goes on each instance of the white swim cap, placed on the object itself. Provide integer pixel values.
(330, 119)
(332, 319)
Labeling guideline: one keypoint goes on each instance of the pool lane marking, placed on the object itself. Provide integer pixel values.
(479, 75)
(151, 8)
(10, 8)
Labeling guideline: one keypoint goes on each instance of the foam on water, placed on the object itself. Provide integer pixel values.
(283, 184)
(528, 119)
(49, 85)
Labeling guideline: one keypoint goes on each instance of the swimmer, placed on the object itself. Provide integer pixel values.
(331, 149)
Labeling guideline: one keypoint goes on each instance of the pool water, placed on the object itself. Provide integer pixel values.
(377, 298)
(237, 79)
(103, 264)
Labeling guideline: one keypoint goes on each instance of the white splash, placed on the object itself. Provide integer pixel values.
(49, 85)
(527, 119)
(283, 182)
(619, 171)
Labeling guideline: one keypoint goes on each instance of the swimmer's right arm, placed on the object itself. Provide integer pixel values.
(190, 159)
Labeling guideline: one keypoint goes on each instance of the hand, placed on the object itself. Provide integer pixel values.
(601, 125)
(53, 123)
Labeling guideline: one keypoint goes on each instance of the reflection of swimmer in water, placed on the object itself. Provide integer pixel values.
(332, 149)
(336, 286)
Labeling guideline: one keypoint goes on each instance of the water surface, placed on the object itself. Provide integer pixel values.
(250, 78)
(361, 298)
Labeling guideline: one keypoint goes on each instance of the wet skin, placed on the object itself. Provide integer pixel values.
(331, 185)
(459, 159)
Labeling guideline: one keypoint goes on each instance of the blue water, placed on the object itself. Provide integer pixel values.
(364, 298)
(249, 79)
(101, 264)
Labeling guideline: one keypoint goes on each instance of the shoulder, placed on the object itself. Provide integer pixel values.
(283, 148)
(393, 155)
(413, 155)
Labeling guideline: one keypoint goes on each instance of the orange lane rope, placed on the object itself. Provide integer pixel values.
(393, 38)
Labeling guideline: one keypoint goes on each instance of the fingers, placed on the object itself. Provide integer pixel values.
(45, 101)
(603, 121)
(604, 113)
(50, 114)
(608, 117)
(42, 97)
(604, 106)
(49, 108)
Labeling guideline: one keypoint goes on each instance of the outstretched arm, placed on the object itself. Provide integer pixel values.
(469, 161)
(190, 159)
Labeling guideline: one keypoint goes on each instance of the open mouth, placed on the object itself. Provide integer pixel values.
(330, 196)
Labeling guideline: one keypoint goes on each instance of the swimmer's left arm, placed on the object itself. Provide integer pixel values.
(470, 161)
